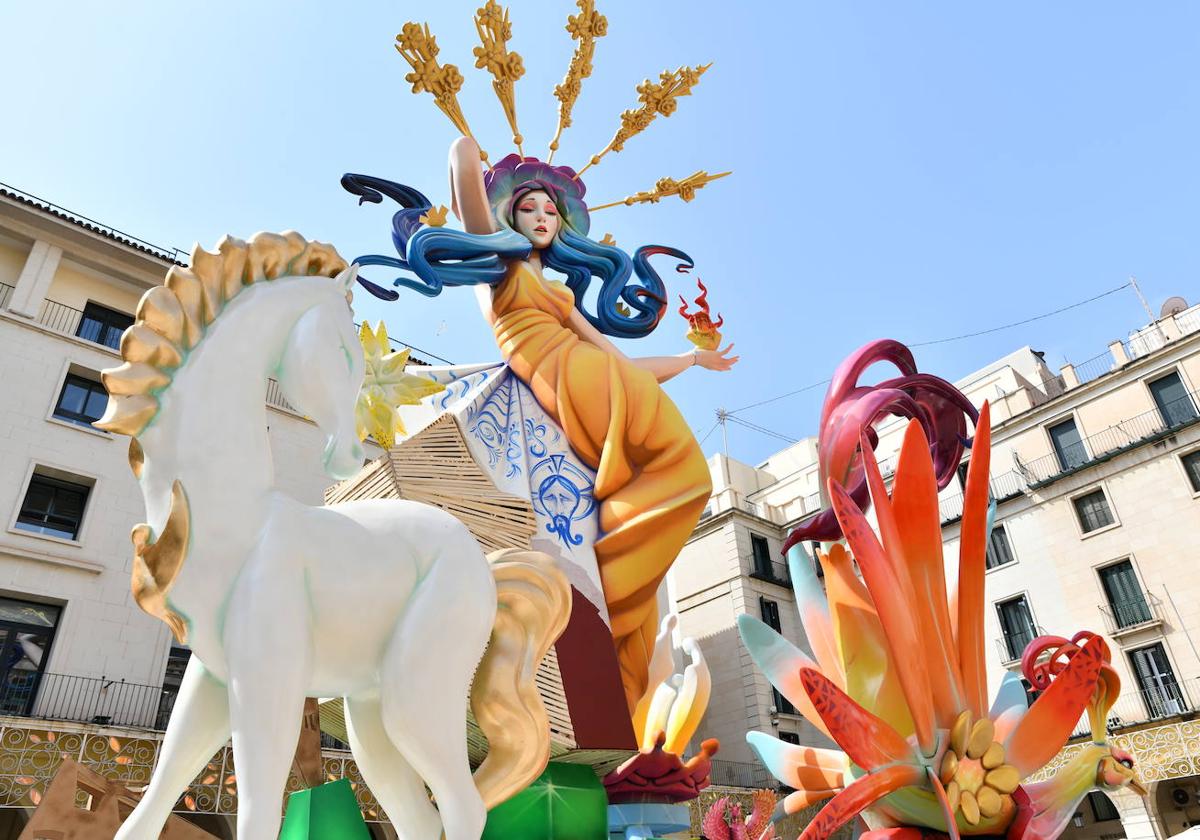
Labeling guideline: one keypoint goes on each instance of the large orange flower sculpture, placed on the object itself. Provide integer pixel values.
(898, 679)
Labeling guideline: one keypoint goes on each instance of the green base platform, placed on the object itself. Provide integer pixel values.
(328, 812)
(567, 802)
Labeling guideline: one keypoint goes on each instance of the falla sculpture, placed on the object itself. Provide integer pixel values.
(897, 678)
(259, 584)
(625, 488)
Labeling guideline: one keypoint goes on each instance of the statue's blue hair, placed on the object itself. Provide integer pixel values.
(441, 257)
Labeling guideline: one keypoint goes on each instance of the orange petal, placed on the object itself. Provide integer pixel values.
(891, 590)
(861, 794)
(916, 535)
(868, 740)
(1048, 724)
(972, 549)
(871, 678)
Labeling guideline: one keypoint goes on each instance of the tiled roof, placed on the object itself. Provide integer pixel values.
(174, 256)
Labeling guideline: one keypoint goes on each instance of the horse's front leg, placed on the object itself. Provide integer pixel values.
(199, 727)
(267, 647)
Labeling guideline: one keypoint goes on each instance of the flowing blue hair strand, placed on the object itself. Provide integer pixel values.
(441, 257)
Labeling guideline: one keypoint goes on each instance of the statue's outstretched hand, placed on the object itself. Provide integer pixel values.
(716, 359)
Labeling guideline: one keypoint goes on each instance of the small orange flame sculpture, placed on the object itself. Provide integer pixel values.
(704, 333)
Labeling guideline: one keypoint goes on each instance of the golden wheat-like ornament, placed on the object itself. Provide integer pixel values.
(495, 31)
(665, 187)
(656, 98)
(585, 28)
(442, 81)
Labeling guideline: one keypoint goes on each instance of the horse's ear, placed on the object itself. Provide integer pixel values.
(346, 279)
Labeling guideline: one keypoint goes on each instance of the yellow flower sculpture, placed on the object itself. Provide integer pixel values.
(386, 386)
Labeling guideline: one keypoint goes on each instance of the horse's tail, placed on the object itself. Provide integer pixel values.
(534, 603)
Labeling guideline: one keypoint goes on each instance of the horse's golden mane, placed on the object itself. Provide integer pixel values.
(171, 318)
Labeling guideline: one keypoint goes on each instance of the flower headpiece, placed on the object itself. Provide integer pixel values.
(443, 81)
(507, 178)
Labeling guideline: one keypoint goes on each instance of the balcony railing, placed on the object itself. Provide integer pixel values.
(1125, 616)
(1168, 699)
(1125, 435)
(1094, 367)
(772, 571)
(1003, 486)
(1011, 645)
(98, 700)
(740, 774)
(5, 293)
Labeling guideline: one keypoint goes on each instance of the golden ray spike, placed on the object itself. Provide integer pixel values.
(585, 28)
(492, 24)
(442, 81)
(656, 99)
(664, 187)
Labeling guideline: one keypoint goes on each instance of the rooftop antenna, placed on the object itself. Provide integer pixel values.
(1138, 291)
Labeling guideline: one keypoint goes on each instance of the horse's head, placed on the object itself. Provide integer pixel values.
(321, 372)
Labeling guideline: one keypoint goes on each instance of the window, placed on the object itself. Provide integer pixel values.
(1031, 693)
(81, 401)
(1172, 400)
(1191, 465)
(1102, 808)
(1068, 445)
(762, 555)
(770, 615)
(1156, 680)
(103, 325)
(790, 738)
(1093, 511)
(1016, 624)
(177, 662)
(999, 552)
(53, 507)
(1124, 594)
(26, 631)
(961, 472)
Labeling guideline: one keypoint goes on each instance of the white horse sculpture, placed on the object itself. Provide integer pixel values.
(389, 604)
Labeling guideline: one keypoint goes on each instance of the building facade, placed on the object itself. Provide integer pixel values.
(82, 670)
(1096, 474)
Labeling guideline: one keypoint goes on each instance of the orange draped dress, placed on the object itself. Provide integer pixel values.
(652, 481)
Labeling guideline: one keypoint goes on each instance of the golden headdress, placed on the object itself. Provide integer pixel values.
(443, 81)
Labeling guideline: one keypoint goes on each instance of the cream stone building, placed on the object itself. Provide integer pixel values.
(1096, 474)
(82, 670)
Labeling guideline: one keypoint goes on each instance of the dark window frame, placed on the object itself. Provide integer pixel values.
(1103, 809)
(110, 324)
(35, 520)
(1080, 515)
(22, 703)
(1187, 459)
(1179, 411)
(92, 386)
(760, 560)
(991, 550)
(1124, 593)
(1072, 455)
(1016, 639)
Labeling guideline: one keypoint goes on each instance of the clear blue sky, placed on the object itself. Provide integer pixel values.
(911, 170)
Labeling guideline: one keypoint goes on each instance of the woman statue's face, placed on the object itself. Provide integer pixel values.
(536, 218)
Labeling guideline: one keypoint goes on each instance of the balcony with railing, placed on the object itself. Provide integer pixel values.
(1122, 617)
(1127, 434)
(1136, 707)
(741, 774)
(1011, 645)
(97, 700)
(1003, 486)
(770, 571)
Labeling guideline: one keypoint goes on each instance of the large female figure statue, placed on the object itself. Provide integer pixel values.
(650, 479)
